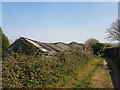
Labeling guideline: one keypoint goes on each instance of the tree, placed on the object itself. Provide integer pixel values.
(97, 48)
(114, 31)
(0, 44)
(5, 43)
(90, 42)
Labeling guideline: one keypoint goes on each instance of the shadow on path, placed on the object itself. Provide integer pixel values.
(114, 73)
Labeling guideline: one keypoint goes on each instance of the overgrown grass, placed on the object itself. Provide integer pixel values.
(101, 78)
(94, 75)
(88, 71)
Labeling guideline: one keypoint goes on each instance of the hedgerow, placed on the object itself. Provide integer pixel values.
(28, 71)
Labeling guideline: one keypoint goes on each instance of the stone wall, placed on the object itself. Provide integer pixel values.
(114, 54)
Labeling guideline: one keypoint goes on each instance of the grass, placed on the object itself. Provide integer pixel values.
(101, 77)
(85, 74)
(89, 75)
(81, 80)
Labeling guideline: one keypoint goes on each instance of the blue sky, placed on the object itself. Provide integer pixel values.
(119, 10)
(58, 21)
(0, 14)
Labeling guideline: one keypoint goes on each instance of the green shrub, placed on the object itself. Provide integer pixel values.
(5, 43)
(32, 72)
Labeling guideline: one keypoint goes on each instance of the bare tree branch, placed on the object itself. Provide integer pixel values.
(113, 33)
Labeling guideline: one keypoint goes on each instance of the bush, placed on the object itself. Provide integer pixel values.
(5, 44)
(97, 48)
(31, 72)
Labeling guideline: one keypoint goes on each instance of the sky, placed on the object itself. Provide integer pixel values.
(119, 10)
(58, 21)
(60, 0)
(0, 14)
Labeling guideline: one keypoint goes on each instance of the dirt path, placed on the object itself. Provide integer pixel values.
(115, 74)
(101, 78)
(95, 74)
(83, 73)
